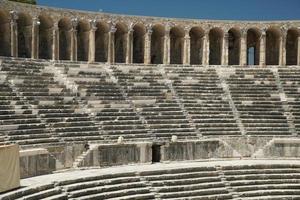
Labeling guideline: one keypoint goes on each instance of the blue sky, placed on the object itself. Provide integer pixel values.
(198, 9)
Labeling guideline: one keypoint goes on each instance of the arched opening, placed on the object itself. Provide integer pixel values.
(215, 46)
(234, 44)
(65, 39)
(176, 45)
(196, 48)
(157, 47)
(120, 43)
(24, 35)
(45, 37)
(253, 42)
(138, 43)
(101, 42)
(292, 47)
(272, 46)
(83, 31)
(4, 34)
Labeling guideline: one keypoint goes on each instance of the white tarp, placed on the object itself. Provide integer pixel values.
(9, 167)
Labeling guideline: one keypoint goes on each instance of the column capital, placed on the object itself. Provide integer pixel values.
(112, 29)
(149, 30)
(244, 32)
(36, 21)
(263, 32)
(283, 31)
(187, 32)
(112, 26)
(206, 33)
(74, 23)
(13, 16)
(226, 35)
(130, 28)
(93, 24)
(55, 26)
(167, 29)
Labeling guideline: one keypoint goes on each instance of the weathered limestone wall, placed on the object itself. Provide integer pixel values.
(119, 154)
(282, 148)
(196, 150)
(35, 162)
(9, 167)
(66, 154)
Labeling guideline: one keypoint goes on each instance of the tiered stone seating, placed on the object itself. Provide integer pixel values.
(112, 186)
(188, 183)
(256, 97)
(148, 90)
(113, 114)
(290, 80)
(37, 192)
(18, 122)
(204, 100)
(213, 180)
(259, 182)
(55, 106)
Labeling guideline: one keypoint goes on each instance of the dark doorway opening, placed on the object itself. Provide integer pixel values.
(156, 153)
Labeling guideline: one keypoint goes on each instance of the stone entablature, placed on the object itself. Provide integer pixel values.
(61, 34)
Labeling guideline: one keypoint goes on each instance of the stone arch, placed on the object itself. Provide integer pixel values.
(196, 48)
(215, 46)
(120, 43)
(4, 33)
(45, 37)
(176, 45)
(65, 27)
(234, 46)
(138, 43)
(272, 46)
(292, 46)
(83, 33)
(24, 22)
(157, 44)
(101, 42)
(253, 46)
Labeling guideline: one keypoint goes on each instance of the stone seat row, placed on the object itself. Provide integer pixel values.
(252, 181)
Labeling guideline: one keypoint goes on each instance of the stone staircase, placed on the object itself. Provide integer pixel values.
(179, 101)
(255, 94)
(287, 110)
(203, 99)
(222, 74)
(147, 89)
(290, 82)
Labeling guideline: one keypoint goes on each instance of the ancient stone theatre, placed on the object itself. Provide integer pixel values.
(96, 105)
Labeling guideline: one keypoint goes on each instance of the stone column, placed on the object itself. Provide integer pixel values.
(187, 47)
(55, 41)
(92, 48)
(243, 48)
(74, 40)
(13, 34)
(147, 50)
(282, 48)
(225, 49)
(129, 44)
(35, 38)
(298, 57)
(166, 58)
(205, 48)
(262, 49)
(111, 44)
